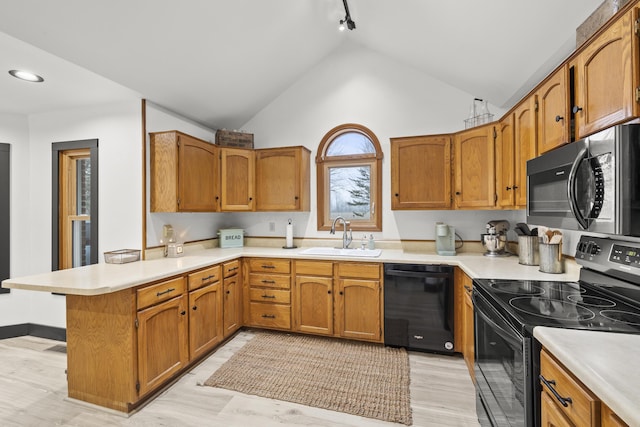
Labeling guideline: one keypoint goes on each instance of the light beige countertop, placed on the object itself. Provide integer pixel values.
(106, 278)
(605, 362)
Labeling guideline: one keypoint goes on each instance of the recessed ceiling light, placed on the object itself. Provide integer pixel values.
(26, 75)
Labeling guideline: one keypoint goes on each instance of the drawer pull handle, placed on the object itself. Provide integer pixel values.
(165, 292)
(269, 316)
(233, 269)
(204, 279)
(268, 296)
(564, 401)
(269, 281)
(268, 266)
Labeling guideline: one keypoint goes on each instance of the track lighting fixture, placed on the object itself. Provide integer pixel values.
(347, 22)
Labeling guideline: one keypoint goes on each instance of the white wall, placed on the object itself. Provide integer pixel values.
(358, 85)
(118, 130)
(14, 130)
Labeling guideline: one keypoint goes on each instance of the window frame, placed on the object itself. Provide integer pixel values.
(324, 163)
(58, 150)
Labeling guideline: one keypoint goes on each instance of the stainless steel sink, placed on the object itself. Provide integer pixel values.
(364, 253)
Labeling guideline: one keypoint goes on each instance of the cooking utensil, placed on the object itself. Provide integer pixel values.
(524, 227)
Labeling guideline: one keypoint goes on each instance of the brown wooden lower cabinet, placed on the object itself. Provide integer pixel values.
(163, 348)
(583, 408)
(232, 297)
(205, 319)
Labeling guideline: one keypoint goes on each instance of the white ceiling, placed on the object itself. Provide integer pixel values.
(219, 62)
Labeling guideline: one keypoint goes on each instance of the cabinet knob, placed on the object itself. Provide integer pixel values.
(296, 197)
(558, 118)
(341, 293)
(515, 187)
(457, 193)
(228, 292)
(328, 292)
(397, 194)
(508, 188)
(576, 109)
(183, 312)
(195, 307)
(250, 198)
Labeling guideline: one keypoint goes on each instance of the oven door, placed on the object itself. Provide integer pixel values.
(503, 368)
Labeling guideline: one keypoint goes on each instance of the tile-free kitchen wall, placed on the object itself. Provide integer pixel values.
(14, 130)
(392, 99)
(117, 128)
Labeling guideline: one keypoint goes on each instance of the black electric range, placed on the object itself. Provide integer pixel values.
(605, 298)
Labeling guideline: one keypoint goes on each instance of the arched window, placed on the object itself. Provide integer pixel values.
(349, 171)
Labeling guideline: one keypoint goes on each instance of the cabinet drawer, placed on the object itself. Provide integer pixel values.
(314, 268)
(270, 315)
(270, 280)
(359, 270)
(204, 277)
(230, 268)
(268, 265)
(584, 407)
(270, 295)
(159, 292)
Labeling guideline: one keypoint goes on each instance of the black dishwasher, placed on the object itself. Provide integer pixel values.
(418, 307)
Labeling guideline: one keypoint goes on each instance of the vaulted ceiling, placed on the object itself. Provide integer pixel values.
(219, 62)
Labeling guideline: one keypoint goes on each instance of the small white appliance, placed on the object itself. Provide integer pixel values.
(445, 239)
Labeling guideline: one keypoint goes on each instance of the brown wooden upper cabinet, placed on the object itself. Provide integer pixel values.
(605, 80)
(505, 166)
(282, 179)
(516, 143)
(474, 159)
(237, 167)
(184, 173)
(421, 172)
(553, 111)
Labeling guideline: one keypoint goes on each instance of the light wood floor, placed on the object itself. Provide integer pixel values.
(33, 392)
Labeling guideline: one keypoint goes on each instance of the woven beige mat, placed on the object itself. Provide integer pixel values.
(363, 379)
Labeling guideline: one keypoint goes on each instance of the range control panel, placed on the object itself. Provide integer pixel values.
(608, 255)
(625, 255)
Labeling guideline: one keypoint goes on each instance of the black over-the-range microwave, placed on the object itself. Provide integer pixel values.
(590, 185)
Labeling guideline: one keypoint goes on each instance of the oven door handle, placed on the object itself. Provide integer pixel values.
(571, 189)
(509, 337)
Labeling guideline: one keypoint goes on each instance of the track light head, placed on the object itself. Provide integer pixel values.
(350, 24)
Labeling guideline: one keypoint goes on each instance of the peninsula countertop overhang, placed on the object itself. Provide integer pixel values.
(105, 278)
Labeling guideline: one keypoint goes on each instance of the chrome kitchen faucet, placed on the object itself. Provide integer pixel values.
(346, 240)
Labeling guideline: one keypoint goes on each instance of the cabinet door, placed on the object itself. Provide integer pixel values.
(525, 147)
(314, 304)
(282, 179)
(610, 419)
(553, 111)
(237, 168)
(605, 80)
(199, 175)
(205, 319)
(358, 309)
(468, 337)
(505, 167)
(475, 168)
(162, 342)
(421, 172)
(232, 310)
(550, 414)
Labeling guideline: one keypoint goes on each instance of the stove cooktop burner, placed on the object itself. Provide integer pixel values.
(591, 301)
(552, 308)
(622, 316)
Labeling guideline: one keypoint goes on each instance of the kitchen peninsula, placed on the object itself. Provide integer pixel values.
(117, 359)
